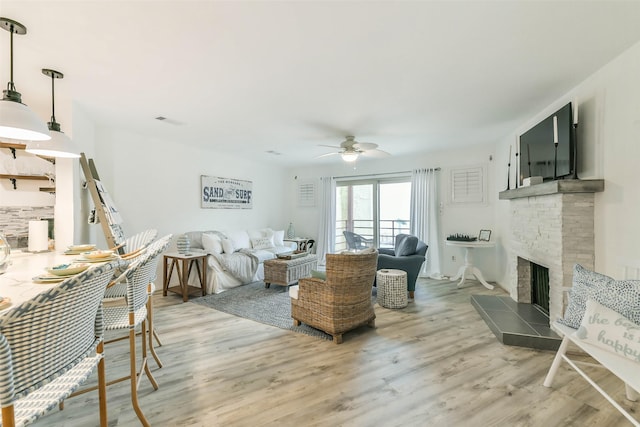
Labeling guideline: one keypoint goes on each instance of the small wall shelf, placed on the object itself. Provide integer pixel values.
(13, 147)
(14, 178)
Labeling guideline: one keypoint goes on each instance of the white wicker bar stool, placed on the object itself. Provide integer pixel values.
(135, 247)
(50, 345)
(137, 277)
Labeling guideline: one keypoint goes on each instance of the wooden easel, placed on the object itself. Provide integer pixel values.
(110, 225)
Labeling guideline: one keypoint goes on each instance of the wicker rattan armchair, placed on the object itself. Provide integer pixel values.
(341, 302)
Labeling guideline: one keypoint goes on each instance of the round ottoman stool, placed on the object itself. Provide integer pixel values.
(392, 288)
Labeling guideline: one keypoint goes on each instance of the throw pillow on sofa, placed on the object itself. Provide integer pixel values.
(240, 239)
(227, 246)
(211, 243)
(262, 243)
(263, 233)
(278, 237)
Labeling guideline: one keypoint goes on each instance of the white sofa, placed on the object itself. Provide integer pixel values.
(236, 257)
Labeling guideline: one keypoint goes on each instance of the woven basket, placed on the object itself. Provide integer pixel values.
(285, 272)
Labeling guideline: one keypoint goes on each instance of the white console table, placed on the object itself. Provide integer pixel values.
(468, 266)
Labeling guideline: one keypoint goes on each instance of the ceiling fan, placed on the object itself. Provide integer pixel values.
(350, 149)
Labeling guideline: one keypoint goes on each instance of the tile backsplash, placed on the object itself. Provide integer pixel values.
(14, 222)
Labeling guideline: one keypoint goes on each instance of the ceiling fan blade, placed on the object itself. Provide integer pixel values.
(375, 153)
(365, 146)
(330, 146)
(325, 155)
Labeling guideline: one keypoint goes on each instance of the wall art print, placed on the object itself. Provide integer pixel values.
(225, 193)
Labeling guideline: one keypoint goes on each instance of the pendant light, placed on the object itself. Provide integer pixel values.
(17, 121)
(60, 145)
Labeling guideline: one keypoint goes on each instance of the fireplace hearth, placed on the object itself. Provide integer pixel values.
(517, 324)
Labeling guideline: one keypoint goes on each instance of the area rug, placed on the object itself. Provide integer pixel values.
(271, 306)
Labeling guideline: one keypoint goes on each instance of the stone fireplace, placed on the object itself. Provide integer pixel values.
(552, 226)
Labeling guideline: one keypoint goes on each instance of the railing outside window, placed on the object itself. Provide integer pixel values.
(389, 229)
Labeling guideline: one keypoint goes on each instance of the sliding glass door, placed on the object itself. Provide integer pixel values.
(395, 212)
(376, 209)
(355, 211)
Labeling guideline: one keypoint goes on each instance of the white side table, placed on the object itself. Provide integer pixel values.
(392, 288)
(468, 266)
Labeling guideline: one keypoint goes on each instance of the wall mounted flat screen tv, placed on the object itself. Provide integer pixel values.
(537, 150)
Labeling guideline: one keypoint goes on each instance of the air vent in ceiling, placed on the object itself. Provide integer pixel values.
(169, 121)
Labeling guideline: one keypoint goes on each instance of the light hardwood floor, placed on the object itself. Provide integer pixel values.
(433, 364)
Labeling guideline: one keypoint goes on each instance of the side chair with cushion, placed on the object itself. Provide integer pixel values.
(356, 241)
(137, 277)
(50, 345)
(408, 255)
(341, 302)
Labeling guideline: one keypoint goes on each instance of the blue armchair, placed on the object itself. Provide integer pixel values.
(408, 255)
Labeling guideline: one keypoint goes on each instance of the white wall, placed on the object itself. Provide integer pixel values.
(155, 183)
(609, 148)
(468, 219)
(84, 137)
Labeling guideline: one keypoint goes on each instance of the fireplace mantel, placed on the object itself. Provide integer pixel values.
(561, 186)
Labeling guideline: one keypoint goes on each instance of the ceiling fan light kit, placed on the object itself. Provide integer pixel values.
(17, 121)
(350, 150)
(60, 144)
(349, 156)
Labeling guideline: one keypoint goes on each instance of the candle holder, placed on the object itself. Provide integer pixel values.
(508, 175)
(509, 170)
(555, 161)
(517, 176)
(575, 151)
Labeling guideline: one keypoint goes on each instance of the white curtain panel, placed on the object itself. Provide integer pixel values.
(425, 218)
(327, 224)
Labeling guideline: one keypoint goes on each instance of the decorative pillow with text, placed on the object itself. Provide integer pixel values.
(609, 330)
(262, 243)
